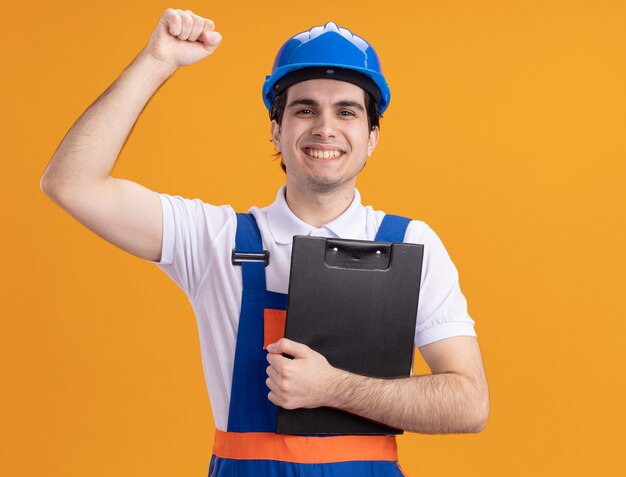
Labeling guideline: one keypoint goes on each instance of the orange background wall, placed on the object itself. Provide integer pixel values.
(506, 133)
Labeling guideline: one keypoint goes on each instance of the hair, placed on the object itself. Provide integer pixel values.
(280, 101)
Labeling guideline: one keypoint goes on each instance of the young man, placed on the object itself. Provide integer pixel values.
(325, 94)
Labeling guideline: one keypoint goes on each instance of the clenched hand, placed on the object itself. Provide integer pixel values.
(182, 38)
(307, 381)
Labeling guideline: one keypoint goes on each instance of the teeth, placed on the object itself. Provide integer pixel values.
(323, 154)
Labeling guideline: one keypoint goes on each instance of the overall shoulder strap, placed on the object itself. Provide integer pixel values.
(392, 229)
(248, 241)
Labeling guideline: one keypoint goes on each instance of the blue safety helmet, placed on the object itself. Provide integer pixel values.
(327, 52)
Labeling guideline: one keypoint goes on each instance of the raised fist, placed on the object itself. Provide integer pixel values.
(182, 38)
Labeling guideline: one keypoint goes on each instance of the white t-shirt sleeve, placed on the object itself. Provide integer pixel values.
(190, 227)
(442, 308)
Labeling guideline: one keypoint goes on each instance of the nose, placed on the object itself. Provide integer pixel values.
(324, 126)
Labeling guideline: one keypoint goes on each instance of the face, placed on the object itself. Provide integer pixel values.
(324, 137)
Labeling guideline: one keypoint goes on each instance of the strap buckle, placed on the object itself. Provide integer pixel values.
(237, 258)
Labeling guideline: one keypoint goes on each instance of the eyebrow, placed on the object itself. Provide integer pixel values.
(312, 102)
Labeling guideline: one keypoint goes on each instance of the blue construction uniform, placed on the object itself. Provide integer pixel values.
(252, 414)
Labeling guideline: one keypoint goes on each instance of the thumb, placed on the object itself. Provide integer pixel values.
(210, 39)
(293, 348)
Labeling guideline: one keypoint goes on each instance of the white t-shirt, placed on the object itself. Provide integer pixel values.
(198, 239)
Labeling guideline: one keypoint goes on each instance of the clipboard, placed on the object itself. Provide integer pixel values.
(355, 302)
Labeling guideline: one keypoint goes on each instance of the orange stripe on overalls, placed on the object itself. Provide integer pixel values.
(303, 449)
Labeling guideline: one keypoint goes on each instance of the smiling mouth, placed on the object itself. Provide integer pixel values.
(323, 154)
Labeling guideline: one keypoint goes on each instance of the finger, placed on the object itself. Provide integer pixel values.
(277, 386)
(209, 25)
(272, 397)
(187, 25)
(197, 27)
(271, 373)
(284, 345)
(171, 19)
(275, 360)
(209, 36)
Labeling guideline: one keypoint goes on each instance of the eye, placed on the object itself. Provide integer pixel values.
(346, 113)
(304, 111)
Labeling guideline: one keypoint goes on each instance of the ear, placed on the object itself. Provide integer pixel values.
(372, 141)
(275, 131)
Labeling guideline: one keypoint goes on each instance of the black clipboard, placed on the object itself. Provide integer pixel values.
(355, 302)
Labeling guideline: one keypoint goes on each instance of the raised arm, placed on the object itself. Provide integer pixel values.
(78, 177)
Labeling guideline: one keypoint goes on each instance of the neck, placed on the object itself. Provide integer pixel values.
(318, 208)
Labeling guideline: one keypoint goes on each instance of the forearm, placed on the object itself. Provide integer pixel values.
(448, 401)
(90, 148)
(439, 403)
